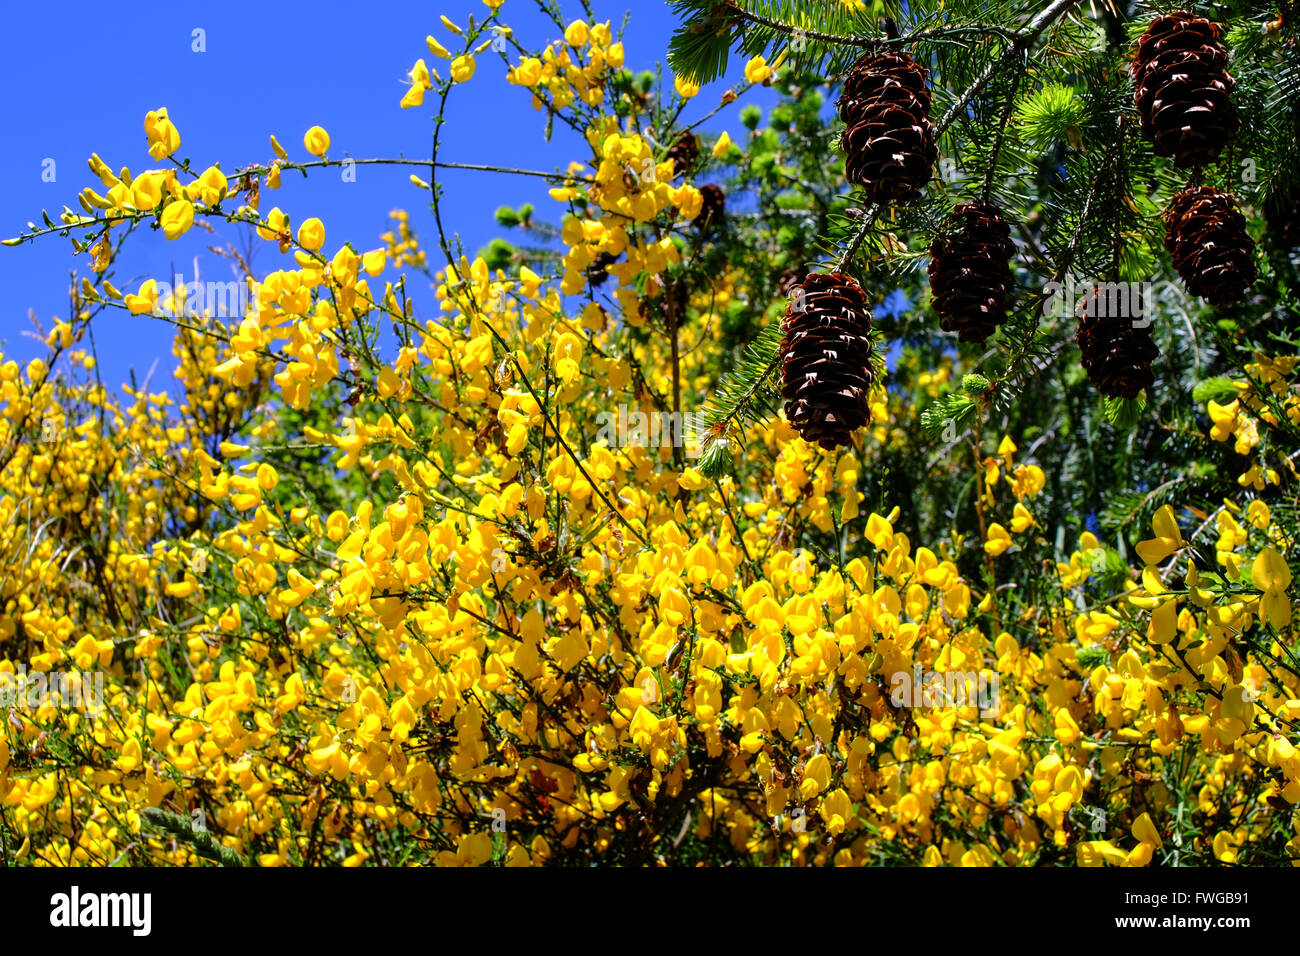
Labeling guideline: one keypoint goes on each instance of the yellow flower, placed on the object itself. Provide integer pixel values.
(436, 48)
(1224, 419)
(1168, 538)
(176, 218)
(1006, 449)
(147, 190)
(723, 144)
(462, 68)
(164, 139)
(685, 88)
(1028, 481)
(420, 81)
(998, 540)
(576, 34)
(527, 73)
(276, 224)
(1258, 514)
(413, 96)
(145, 300)
(316, 141)
(816, 777)
(1021, 519)
(210, 188)
(1144, 831)
(1271, 575)
(757, 70)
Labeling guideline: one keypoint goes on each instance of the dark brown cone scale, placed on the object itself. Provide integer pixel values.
(970, 271)
(684, 152)
(888, 141)
(1115, 350)
(1183, 88)
(1205, 234)
(712, 207)
(826, 373)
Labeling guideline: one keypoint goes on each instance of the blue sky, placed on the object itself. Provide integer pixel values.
(270, 68)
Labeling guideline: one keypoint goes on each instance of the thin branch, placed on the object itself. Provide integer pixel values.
(1023, 41)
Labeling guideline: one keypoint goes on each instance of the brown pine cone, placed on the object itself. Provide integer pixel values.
(713, 207)
(888, 141)
(970, 271)
(1115, 350)
(1206, 235)
(1183, 87)
(826, 370)
(685, 153)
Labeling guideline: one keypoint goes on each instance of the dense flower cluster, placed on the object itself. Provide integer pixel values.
(409, 608)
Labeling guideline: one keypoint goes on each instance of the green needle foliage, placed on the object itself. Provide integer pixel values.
(1034, 107)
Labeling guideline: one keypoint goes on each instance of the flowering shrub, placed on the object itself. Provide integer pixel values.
(368, 587)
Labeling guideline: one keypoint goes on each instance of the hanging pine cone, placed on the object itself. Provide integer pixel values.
(1115, 350)
(889, 142)
(685, 153)
(1282, 216)
(1182, 88)
(713, 207)
(826, 370)
(970, 272)
(1206, 235)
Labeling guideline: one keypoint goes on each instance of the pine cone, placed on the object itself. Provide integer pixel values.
(1282, 215)
(1115, 350)
(685, 153)
(970, 272)
(713, 207)
(1206, 235)
(826, 369)
(1182, 88)
(889, 142)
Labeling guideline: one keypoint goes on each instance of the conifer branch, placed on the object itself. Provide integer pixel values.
(1021, 44)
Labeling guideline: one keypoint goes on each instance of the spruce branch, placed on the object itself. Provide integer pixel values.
(1030, 357)
(1001, 134)
(1020, 44)
(745, 395)
(859, 235)
(868, 43)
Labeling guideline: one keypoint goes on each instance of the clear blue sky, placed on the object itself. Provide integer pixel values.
(82, 76)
